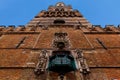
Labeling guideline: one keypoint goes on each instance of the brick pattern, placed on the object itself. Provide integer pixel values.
(103, 58)
(13, 57)
(77, 39)
(17, 74)
(28, 58)
(29, 41)
(46, 37)
(105, 74)
(10, 41)
(10, 74)
(109, 40)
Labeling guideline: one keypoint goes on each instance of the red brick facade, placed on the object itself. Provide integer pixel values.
(20, 47)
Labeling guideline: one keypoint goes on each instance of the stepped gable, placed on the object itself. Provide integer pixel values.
(59, 44)
(57, 13)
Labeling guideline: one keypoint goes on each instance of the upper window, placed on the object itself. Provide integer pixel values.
(59, 21)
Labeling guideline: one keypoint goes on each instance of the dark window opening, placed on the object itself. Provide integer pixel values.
(56, 9)
(59, 21)
(60, 45)
(62, 9)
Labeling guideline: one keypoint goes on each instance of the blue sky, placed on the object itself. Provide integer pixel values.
(98, 12)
